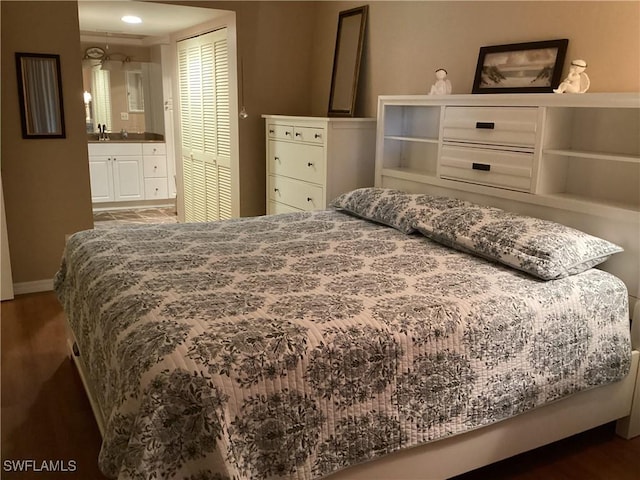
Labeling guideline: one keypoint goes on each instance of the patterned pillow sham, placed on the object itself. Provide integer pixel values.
(542, 248)
(393, 208)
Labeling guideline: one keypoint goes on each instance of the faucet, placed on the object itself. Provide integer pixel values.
(104, 132)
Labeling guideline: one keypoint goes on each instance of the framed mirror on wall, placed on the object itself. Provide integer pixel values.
(40, 95)
(346, 61)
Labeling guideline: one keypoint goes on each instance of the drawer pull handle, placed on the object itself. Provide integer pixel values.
(309, 164)
(277, 159)
(486, 125)
(287, 133)
(481, 166)
(298, 134)
(272, 131)
(276, 190)
(309, 199)
(317, 135)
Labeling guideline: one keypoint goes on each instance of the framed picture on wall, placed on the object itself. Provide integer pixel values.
(40, 94)
(532, 67)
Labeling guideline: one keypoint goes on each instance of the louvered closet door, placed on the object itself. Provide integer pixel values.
(205, 125)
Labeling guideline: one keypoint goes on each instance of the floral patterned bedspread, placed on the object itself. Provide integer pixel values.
(292, 346)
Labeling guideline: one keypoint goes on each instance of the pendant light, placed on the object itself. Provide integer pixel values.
(243, 110)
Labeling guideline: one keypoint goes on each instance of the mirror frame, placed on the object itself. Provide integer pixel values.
(334, 111)
(41, 110)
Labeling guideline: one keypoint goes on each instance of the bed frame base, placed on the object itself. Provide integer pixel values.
(465, 452)
(462, 453)
(74, 355)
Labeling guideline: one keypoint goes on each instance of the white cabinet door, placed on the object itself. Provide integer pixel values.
(128, 179)
(101, 175)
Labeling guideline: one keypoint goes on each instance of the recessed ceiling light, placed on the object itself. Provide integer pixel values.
(131, 19)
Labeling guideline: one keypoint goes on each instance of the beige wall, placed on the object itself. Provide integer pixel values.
(407, 41)
(46, 182)
(287, 50)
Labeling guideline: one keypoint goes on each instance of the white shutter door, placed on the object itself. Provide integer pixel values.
(199, 192)
(205, 117)
(223, 126)
(211, 179)
(187, 173)
(224, 192)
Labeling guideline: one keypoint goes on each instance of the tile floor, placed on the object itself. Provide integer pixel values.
(112, 218)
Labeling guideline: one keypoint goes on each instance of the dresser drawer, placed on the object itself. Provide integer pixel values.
(276, 207)
(155, 188)
(295, 193)
(115, 148)
(505, 169)
(154, 148)
(281, 132)
(155, 166)
(490, 125)
(303, 162)
(308, 134)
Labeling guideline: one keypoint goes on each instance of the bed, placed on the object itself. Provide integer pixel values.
(392, 333)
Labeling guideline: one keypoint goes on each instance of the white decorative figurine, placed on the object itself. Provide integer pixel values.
(442, 85)
(577, 81)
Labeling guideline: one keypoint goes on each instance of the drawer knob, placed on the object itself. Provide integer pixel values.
(276, 190)
(317, 135)
(298, 134)
(486, 125)
(309, 164)
(309, 199)
(277, 159)
(287, 133)
(272, 131)
(481, 166)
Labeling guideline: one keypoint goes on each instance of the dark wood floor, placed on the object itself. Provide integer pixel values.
(46, 416)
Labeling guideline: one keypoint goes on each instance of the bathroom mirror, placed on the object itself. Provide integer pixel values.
(346, 61)
(124, 99)
(40, 95)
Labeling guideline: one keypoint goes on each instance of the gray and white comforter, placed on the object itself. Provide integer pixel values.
(295, 345)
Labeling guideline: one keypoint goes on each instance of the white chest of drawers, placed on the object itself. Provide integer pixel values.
(312, 160)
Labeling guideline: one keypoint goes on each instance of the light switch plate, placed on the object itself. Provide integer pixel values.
(124, 116)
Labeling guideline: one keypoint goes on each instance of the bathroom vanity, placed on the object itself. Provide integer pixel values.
(128, 171)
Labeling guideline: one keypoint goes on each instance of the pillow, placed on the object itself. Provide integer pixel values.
(393, 208)
(544, 249)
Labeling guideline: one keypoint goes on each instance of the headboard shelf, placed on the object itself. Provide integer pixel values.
(574, 159)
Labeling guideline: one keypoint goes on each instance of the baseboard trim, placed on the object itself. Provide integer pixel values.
(33, 287)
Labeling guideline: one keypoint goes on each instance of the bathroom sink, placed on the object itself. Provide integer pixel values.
(131, 137)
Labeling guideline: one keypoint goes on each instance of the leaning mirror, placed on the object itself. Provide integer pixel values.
(40, 94)
(346, 62)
